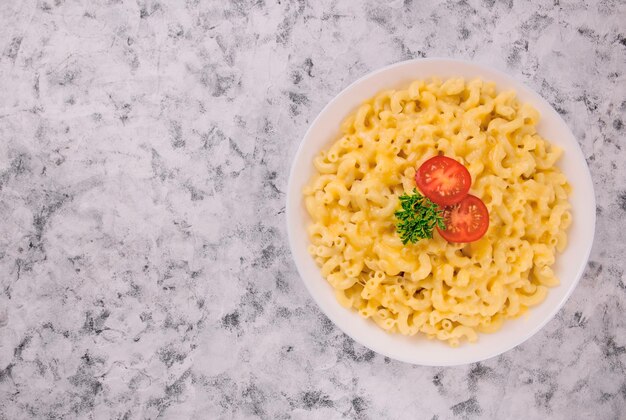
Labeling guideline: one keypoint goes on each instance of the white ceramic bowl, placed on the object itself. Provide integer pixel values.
(418, 349)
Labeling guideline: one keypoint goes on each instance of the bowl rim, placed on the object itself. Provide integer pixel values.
(536, 98)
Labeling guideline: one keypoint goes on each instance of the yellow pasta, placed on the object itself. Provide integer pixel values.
(446, 291)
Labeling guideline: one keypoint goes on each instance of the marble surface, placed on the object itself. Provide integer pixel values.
(144, 265)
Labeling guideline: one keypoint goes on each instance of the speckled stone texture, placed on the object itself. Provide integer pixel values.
(144, 153)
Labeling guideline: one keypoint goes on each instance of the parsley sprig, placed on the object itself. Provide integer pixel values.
(418, 217)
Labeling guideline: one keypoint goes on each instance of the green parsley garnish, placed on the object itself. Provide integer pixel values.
(418, 217)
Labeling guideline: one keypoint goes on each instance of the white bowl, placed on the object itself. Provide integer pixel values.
(418, 349)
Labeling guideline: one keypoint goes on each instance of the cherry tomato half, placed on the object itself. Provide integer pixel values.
(443, 180)
(466, 221)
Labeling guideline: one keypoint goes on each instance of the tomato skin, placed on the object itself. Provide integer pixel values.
(466, 221)
(443, 180)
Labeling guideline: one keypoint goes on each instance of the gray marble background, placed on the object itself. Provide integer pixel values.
(144, 152)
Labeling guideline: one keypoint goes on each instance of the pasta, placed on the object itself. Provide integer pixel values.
(444, 290)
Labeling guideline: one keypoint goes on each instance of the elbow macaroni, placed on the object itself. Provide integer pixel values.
(446, 291)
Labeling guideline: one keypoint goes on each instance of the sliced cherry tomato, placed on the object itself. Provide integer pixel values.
(466, 221)
(443, 180)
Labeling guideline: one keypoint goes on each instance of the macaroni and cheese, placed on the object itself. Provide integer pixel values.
(444, 290)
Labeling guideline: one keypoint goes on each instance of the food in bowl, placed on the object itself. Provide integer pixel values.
(476, 251)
